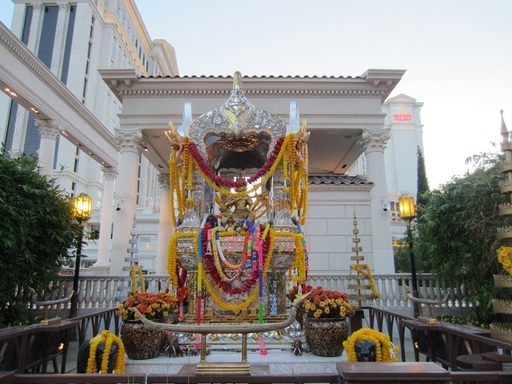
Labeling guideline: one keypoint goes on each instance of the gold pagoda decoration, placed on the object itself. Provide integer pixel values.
(503, 330)
(361, 282)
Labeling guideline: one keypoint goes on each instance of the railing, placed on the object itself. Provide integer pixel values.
(33, 347)
(105, 291)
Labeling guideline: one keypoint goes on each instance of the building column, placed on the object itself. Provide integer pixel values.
(20, 131)
(165, 228)
(374, 144)
(36, 24)
(60, 37)
(102, 265)
(129, 142)
(49, 131)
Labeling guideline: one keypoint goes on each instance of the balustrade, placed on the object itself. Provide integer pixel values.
(98, 292)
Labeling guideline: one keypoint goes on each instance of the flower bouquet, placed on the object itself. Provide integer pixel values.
(323, 303)
(154, 306)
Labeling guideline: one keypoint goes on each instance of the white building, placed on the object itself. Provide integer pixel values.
(83, 143)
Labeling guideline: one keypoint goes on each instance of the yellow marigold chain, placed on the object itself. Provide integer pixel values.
(255, 187)
(299, 262)
(247, 302)
(364, 269)
(107, 338)
(383, 345)
(172, 257)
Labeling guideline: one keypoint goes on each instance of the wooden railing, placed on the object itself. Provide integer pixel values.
(105, 291)
(33, 347)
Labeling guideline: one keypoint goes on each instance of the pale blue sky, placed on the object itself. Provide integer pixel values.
(457, 54)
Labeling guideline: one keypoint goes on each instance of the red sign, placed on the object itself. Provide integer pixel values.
(402, 116)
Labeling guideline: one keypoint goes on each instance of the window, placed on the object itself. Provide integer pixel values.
(94, 234)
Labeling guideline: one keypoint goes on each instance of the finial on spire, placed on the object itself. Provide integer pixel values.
(237, 80)
(504, 131)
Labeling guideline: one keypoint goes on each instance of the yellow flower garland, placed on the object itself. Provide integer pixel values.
(107, 338)
(504, 257)
(172, 255)
(299, 262)
(383, 345)
(254, 187)
(252, 296)
(364, 269)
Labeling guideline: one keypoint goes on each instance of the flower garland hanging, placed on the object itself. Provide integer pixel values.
(299, 263)
(220, 184)
(107, 338)
(504, 257)
(225, 284)
(385, 351)
(172, 256)
(268, 250)
(364, 269)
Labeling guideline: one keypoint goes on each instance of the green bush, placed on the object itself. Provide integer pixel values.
(37, 228)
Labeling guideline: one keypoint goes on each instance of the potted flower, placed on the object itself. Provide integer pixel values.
(142, 342)
(326, 326)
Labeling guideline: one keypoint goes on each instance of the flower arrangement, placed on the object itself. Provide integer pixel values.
(323, 303)
(384, 350)
(154, 306)
(107, 338)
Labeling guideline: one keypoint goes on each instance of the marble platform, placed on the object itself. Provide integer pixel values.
(276, 362)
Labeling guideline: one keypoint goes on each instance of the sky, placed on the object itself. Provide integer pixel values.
(457, 55)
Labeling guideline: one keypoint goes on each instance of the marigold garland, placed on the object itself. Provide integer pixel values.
(299, 262)
(504, 257)
(385, 351)
(364, 269)
(255, 287)
(172, 256)
(107, 338)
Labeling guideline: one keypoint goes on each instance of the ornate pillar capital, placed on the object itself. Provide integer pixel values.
(37, 5)
(48, 129)
(129, 140)
(63, 5)
(109, 173)
(374, 140)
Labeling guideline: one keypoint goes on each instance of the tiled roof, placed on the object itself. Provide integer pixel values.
(338, 180)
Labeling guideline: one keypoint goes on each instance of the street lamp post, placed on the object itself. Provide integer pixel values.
(407, 212)
(82, 206)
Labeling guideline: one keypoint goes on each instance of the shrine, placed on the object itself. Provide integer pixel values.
(240, 182)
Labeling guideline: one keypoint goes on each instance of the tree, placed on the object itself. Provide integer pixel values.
(422, 186)
(36, 231)
(458, 232)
